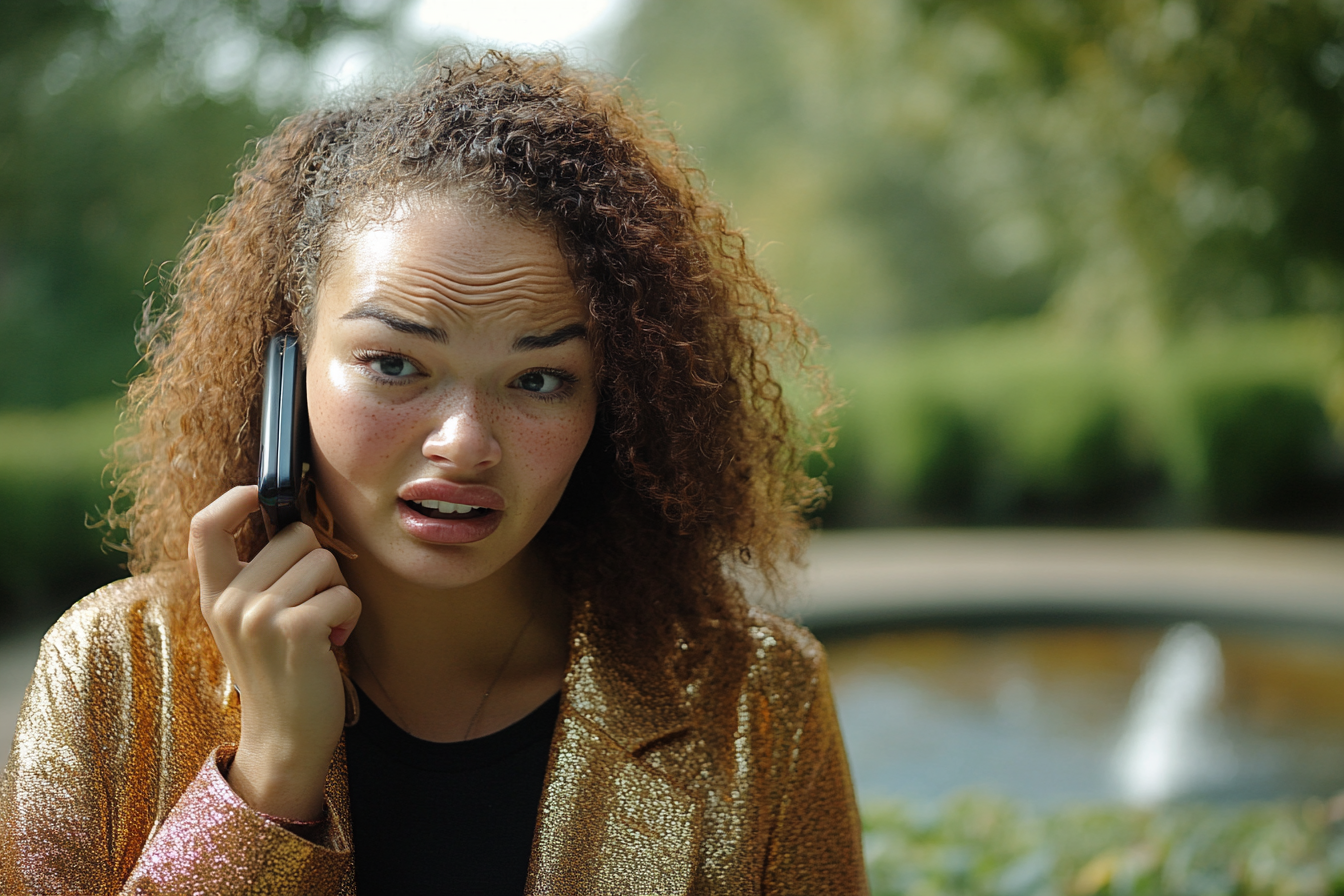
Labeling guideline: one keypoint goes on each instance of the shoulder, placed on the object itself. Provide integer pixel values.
(765, 652)
(127, 622)
(111, 610)
(783, 642)
(770, 637)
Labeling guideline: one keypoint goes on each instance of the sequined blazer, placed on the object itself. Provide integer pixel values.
(723, 773)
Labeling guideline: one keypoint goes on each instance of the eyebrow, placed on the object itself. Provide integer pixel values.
(372, 311)
(552, 339)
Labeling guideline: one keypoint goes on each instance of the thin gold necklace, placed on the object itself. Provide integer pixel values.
(471, 723)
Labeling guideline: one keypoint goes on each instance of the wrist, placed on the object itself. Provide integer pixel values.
(279, 782)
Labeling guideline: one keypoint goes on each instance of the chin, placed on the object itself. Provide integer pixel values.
(445, 566)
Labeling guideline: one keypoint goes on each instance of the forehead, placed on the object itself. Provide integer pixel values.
(457, 267)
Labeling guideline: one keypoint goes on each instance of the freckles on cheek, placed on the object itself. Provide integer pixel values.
(353, 429)
(551, 449)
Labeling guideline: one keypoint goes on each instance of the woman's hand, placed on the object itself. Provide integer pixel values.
(275, 620)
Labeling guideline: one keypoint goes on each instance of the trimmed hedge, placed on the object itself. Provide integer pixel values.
(51, 465)
(975, 844)
(1017, 424)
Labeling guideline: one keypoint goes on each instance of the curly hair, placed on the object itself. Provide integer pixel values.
(696, 463)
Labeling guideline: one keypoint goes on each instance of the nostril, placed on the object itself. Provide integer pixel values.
(463, 441)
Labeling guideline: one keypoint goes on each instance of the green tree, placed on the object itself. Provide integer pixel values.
(1128, 167)
(119, 120)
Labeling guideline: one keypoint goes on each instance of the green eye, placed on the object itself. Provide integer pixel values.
(540, 382)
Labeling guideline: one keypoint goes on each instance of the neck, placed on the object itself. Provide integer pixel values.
(428, 656)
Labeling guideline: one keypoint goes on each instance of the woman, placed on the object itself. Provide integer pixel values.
(510, 651)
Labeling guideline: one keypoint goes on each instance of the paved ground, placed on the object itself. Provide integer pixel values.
(874, 576)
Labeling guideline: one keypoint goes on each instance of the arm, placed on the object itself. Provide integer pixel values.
(87, 781)
(55, 820)
(214, 842)
(815, 847)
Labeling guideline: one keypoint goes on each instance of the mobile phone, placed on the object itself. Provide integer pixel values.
(284, 433)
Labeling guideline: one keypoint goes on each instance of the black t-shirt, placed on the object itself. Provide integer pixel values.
(432, 818)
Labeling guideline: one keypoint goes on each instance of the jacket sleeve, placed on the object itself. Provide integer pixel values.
(815, 846)
(77, 817)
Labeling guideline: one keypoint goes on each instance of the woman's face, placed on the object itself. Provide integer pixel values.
(450, 390)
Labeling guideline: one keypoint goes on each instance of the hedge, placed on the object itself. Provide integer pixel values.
(1016, 424)
(51, 488)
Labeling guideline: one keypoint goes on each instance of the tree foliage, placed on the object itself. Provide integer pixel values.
(1129, 167)
(119, 121)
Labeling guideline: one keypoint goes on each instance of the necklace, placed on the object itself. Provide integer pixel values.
(471, 723)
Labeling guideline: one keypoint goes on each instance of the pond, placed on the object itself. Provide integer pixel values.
(1138, 713)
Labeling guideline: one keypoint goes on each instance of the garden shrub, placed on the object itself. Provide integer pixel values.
(1269, 454)
(1014, 425)
(978, 845)
(50, 488)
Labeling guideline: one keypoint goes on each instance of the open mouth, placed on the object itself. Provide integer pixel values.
(446, 510)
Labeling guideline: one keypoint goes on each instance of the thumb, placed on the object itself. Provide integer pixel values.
(211, 545)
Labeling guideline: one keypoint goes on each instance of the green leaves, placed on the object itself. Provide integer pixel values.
(1130, 169)
(976, 844)
(1026, 423)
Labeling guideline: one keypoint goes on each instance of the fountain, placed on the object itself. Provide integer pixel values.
(1168, 746)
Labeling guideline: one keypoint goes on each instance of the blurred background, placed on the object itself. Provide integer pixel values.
(1080, 268)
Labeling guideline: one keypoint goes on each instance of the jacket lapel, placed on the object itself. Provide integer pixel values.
(610, 822)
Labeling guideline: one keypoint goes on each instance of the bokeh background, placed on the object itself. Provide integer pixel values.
(1078, 263)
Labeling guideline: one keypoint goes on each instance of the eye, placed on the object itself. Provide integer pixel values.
(542, 382)
(393, 367)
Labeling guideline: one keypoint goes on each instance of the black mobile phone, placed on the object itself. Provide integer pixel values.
(284, 433)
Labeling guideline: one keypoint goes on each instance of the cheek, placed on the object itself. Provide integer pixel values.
(353, 431)
(547, 450)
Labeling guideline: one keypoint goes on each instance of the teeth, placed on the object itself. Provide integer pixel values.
(446, 506)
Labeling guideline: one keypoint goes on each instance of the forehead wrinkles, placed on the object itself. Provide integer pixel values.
(523, 295)
(444, 277)
(517, 313)
(451, 266)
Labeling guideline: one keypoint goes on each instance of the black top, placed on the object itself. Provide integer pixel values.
(440, 818)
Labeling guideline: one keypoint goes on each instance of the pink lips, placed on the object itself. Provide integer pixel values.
(437, 531)
(442, 490)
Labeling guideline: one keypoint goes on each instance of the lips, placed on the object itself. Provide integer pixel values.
(442, 512)
(439, 490)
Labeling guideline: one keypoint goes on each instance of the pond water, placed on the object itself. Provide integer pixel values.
(1140, 714)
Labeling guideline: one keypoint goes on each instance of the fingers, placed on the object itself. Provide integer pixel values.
(211, 541)
(316, 571)
(290, 545)
(334, 611)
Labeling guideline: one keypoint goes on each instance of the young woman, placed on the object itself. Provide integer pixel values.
(509, 650)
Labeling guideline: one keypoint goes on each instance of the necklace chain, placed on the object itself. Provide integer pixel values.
(471, 723)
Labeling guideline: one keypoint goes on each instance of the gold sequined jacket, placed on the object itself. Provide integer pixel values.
(722, 774)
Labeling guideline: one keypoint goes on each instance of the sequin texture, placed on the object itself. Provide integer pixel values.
(715, 767)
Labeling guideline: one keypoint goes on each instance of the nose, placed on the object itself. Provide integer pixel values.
(465, 439)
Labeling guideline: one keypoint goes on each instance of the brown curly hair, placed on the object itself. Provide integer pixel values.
(696, 462)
